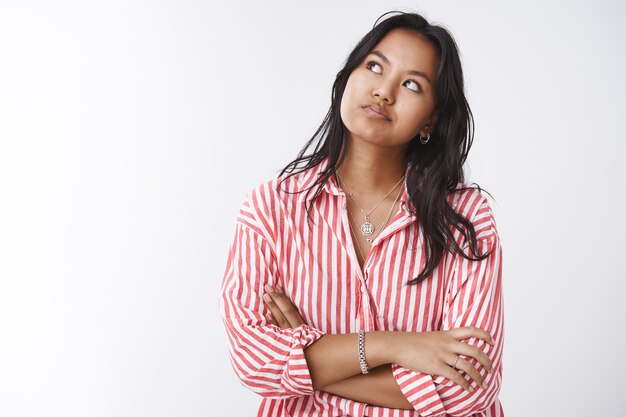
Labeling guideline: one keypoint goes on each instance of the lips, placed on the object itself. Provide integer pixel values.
(377, 111)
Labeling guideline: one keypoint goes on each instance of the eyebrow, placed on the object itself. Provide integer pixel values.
(413, 72)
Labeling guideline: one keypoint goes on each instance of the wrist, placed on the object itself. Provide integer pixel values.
(381, 347)
(395, 346)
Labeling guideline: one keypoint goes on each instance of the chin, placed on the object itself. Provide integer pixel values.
(376, 137)
(371, 139)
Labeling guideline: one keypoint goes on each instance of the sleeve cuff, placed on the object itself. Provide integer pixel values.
(297, 377)
(419, 389)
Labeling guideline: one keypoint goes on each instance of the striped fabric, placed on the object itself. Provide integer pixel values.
(317, 268)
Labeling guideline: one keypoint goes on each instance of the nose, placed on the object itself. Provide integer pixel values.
(383, 91)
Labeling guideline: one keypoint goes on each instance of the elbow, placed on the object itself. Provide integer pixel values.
(271, 387)
(272, 382)
(271, 363)
(254, 383)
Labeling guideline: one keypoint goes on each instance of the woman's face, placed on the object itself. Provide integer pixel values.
(397, 79)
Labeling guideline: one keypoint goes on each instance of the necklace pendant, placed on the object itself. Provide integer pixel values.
(367, 228)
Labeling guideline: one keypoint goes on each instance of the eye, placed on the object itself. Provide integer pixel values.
(370, 64)
(417, 88)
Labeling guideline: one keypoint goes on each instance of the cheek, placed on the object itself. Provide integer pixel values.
(346, 103)
(413, 120)
(414, 116)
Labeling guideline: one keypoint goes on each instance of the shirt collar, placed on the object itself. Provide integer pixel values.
(332, 187)
(404, 198)
(311, 175)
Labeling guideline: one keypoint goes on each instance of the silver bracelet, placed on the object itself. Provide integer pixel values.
(364, 368)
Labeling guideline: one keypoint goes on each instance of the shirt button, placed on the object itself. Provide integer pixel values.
(363, 288)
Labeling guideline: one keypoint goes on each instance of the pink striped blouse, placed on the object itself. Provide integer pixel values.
(317, 269)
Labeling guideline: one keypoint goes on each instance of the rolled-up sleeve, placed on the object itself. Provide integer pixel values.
(474, 298)
(267, 359)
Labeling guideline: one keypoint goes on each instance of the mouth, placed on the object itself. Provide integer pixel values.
(376, 112)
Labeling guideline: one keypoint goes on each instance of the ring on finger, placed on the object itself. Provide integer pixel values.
(455, 362)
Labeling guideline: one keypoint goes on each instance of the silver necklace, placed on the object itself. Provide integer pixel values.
(371, 240)
(367, 228)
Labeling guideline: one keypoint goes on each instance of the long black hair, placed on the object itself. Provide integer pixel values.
(434, 170)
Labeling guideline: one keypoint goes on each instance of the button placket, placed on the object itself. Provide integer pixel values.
(364, 309)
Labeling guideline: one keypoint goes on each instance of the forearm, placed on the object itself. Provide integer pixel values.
(378, 388)
(334, 357)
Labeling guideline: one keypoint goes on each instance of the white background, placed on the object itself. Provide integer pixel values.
(130, 132)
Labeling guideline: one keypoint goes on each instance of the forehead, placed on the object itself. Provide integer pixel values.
(408, 50)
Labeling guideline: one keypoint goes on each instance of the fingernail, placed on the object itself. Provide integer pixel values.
(470, 389)
(485, 384)
(269, 288)
(267, 298)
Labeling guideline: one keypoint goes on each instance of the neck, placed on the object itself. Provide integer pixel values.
(368, 169)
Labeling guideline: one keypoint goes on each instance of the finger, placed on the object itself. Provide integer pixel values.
(471, 331)
(455, 376)
(463, 365)
(475, 352)
(274, 312)
(287, 308)
(270, 319)
(279, 317)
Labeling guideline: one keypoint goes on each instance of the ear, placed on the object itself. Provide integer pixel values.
(429, 126)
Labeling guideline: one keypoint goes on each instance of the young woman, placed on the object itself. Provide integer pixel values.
(366, 279)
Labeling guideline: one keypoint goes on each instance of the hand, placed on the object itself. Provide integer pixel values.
(377, 388)
(282, 311)
(436, 353)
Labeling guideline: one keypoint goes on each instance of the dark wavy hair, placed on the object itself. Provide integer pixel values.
(434, 170)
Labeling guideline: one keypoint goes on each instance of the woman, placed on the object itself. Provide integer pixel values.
(366, 279)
